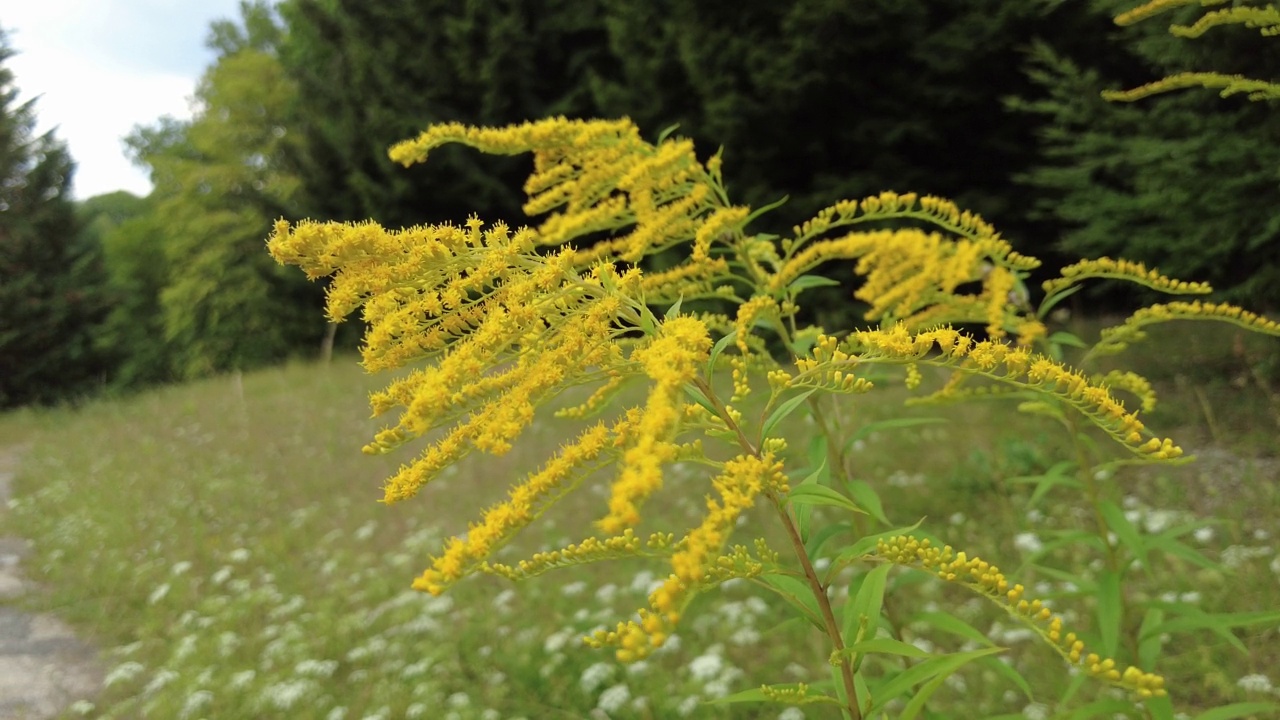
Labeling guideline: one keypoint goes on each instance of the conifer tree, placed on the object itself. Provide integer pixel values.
(49, 281)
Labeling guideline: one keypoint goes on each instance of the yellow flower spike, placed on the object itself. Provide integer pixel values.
(907, 551)
(671, 360)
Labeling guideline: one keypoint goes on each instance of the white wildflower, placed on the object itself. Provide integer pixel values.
(614, 698)
(1036, 711)
(365, 531)
(284, 695)
(338, 713)
(123, 672)
(196, 701)
(158, 594)
(1204, 535)
(415, 711)
(1256, 683)
(595, 676)
(687, 706)
(791, 713)
(706, 666)
(573, 588)
(239, 555)
(82, 707)
(161, 678)
(606, 593)
(316, 668)
(241, 680)
(180, 567)
(1027, 542)
(459, 700)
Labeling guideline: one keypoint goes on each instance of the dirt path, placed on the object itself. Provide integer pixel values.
(44, 668)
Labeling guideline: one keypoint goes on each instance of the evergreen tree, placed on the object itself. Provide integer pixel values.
(372, 74)
(1188, 181)
(49, 279)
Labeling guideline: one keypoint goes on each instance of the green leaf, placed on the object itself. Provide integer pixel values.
(866, 602)
(1150, 644)
(674, 310)
(1065, 338)
(781, 412)
(890, 424)
(805, 282)
(1047, 304)
(1237, 710)
(814, 545)
(953, 625)
(1110, 610)
(718, 348)
(797, 593)
(766, 208)
(666, 132)
(921, 696)
(1170, 546)
(866, 497)
(1008, 672)
(697, 396)
(815, 494)
(942, 666)
(805, 512)
(884, 646)
(1056, 476)
(1128, 535)
(1190, 618)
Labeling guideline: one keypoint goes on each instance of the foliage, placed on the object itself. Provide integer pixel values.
(1183, 180)
(487, 63)
(219, 179)
(50, 275)
(510, 320)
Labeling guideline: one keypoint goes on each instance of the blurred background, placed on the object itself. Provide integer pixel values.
(993, 104)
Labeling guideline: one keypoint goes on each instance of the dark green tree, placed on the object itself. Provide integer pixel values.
(50, 281)
(372, 74)
(1186, 181)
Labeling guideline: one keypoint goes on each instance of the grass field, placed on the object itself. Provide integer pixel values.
(223, 543)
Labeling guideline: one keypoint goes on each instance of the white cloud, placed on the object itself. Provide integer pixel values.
(100, 67)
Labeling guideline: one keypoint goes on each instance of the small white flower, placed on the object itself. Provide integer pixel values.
(161, 678)
(1028, 542)
(123, 672)
(957, 518)
(316, 668)
(606, 593)
(1036, 711)
(1204, 535)
(241, 680)
(82, 707)
(180, 567)
(158, 594)
(791, 713)
(706, 666)
(614, 698)
(196, 702)
(595, 676)
(338, 713)
(239, 555)
(365, 531)
(459, 700)
(643, 582)
(1256, 683)
(573, 588)
(284, 695)
(415, 711)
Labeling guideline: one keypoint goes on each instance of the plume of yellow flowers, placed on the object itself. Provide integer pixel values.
(498, 323)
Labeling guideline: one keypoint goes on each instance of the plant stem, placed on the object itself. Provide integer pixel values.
(811, 576)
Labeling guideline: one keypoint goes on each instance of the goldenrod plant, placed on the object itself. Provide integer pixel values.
(1263, 18)
(503, 327)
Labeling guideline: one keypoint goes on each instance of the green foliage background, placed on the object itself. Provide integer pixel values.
(992, 104)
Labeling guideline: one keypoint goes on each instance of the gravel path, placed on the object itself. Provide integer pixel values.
(44, 668)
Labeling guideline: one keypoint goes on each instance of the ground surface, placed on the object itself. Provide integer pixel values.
(44, 668)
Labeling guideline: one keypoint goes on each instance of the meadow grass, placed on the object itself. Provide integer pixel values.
(223, 543)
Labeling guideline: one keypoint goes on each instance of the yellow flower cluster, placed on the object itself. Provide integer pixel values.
(1137, 272)
(527, 501)
(742, 480)
(1004, 363)
(1117, 338)
(671, 360)
(986, 579)
(598, 176)
(588, 551)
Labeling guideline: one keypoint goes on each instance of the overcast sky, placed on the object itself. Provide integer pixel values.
(100, 67)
